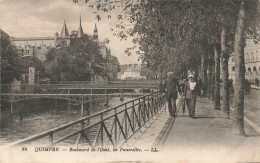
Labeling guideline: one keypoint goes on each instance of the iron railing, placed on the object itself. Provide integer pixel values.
(111, 127)
(74, 88)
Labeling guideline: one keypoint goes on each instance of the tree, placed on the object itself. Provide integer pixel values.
(240, 71)
(172, 30)
(217, 77)
(76, 62)
(11, 66)
(115, 63)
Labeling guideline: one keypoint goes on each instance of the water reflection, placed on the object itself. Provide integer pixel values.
(24, 124)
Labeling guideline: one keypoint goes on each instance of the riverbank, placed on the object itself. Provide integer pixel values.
(32, 118)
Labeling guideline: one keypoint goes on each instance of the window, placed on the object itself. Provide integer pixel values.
(257, 56)
(254, 69)
(252, 57)
(247, 58)
(233, 68)
(249, 69)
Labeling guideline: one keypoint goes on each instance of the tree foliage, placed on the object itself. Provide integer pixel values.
(11, 65)
(77, 62)
(178, 34)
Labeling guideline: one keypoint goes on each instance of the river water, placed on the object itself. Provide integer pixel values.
(34, 122)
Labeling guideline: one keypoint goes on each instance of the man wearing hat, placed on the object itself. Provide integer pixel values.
(191, 91)
(171, 86)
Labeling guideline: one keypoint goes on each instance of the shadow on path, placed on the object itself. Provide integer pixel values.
(252, 135)
(162, 137)
(200, 117)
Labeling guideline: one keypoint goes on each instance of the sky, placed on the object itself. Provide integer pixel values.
(43, 18)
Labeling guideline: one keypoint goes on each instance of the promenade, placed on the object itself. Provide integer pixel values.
(208, 138)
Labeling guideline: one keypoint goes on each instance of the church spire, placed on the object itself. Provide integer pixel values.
(64, 31)
(80, 31)
(95, 27)
(95, 33)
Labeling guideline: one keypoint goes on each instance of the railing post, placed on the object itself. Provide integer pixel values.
(126, 133)
(116, 141)
(88, 110)
(51, 138)
(154, 104)
(144, 109)
(157, 101)
(139, 110)
(133, 115)
(101, 131)
(148, 107)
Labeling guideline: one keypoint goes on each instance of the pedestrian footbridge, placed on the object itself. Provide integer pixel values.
(77, 92)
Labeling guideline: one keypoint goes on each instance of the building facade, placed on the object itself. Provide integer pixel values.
(130, 72)
(252, 61)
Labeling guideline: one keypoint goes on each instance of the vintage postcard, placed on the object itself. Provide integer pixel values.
(129, 81)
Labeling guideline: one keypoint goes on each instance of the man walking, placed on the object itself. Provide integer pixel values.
(171, 86)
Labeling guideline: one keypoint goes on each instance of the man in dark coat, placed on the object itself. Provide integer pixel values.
(171, 86)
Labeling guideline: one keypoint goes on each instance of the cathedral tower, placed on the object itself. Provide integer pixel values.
(64, 32)
(80, 31)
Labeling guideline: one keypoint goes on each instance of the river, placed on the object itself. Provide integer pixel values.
(34, 121)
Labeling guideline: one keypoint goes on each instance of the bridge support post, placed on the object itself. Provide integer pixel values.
(107, 101)
(69, 105)
(11, 107)
(20, 114)
(56, 104)
(92, 101)
(82, 109)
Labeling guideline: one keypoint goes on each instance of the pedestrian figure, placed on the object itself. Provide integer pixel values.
(191, 92)
(171, 87)
(182, 83)
(247, 86)
(257, 82)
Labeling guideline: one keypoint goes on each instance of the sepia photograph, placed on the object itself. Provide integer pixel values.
(129, 81)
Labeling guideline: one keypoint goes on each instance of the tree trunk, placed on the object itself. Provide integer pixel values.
(212, 81)
(217, 78)
(225, 75)
(204, 77)
(0, 87)
(210, 78)
(239, 72)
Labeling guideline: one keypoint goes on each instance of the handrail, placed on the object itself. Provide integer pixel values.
(139, 111)
(77, 86)
(80, 85)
